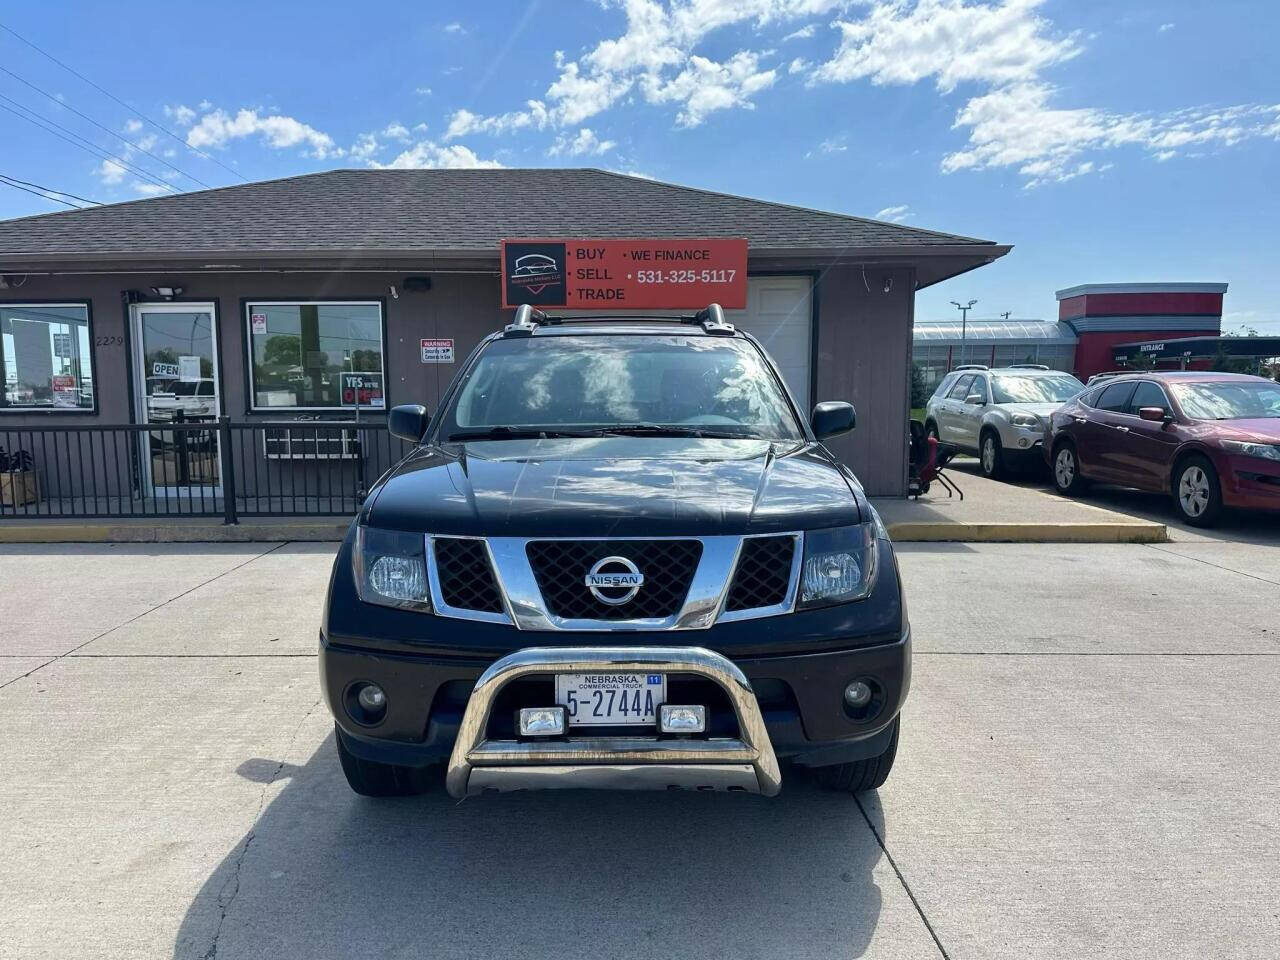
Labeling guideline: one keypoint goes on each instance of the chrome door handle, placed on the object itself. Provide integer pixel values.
(1123, 429)
(1079, 419)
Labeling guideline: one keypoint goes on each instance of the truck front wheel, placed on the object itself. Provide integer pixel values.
(866, 774)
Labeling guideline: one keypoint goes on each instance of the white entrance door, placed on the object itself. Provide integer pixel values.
(176, 380)
(779, 314)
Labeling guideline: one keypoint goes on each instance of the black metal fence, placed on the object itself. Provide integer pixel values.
(208, 468)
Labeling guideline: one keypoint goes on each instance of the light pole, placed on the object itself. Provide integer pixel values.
(964, 309)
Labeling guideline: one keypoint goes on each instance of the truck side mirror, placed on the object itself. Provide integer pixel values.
(976, 400)
(832, 417)
(408, 421)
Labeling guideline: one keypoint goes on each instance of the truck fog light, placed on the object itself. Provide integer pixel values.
(541, 721)
(857, 694)
(1023, 441)
(372, 698)
(678, 719)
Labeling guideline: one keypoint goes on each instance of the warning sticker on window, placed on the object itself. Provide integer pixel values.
(437, 351)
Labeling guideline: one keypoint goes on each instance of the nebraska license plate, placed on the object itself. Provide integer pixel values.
(610, 699)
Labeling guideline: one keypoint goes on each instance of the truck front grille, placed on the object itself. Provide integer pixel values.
(561, 567)
(466, 579)
(763, 574)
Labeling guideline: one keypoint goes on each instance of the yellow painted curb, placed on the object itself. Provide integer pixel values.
(1135, 532)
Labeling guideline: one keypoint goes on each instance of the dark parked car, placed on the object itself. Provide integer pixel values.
(1208, 439)
(619, 557)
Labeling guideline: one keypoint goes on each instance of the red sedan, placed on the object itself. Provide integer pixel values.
(1209, 440)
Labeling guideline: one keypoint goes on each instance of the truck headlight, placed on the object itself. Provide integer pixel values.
(839, 565)
(391, 569)
(1267, 451)
(1025, 420)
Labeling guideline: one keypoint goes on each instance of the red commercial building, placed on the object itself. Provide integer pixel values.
(1106, 314)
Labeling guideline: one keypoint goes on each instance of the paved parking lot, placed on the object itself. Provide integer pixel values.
(1089, 767)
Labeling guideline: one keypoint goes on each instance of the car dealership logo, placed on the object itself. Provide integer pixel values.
(614, 580)
(534, 273)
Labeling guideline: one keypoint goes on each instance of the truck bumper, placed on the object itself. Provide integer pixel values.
(771, 709)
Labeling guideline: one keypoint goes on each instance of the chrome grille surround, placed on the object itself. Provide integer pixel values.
(525, 607)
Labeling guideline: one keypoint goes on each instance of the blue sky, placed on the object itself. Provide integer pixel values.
(1108, 142)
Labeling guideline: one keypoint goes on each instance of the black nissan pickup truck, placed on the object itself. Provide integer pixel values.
(618, 556)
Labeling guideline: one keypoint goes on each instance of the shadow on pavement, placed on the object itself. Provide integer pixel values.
(324, 873)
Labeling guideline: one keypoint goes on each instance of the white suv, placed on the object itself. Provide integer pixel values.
(1000, 415)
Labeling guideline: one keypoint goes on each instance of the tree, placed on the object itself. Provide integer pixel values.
(282, 350)
(919, 392)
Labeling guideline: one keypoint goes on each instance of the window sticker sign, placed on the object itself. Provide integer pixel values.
(258, 323)
(170, 370)
(189, 369)
(641, 274)
(437, 351)
(363, 390)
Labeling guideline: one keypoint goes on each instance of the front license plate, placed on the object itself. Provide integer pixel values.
(610, 699)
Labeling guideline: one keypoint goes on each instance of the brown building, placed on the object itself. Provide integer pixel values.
(265, 303)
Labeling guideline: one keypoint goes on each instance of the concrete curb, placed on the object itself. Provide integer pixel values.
(1130, 532)
(173, 533)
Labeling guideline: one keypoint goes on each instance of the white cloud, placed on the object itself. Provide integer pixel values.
(1165, 27)
(464, 122)
(110, 172)
(179, 114)
(798, 65)
(657, 58)
(422, 91)
(151, 189)
(426, 153)
(396, 131)
(804, 33)
(132, 126)
(217, 128)
(831, 145)
(585, 143)
(894, 214)
(455, 27)
(1005, 48)
(950, 41)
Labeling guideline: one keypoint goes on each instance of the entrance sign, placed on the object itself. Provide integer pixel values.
(644, 274)
(170, 370)
(363, 390)
(437, 351)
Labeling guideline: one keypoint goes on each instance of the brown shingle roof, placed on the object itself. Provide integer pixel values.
(468, 211)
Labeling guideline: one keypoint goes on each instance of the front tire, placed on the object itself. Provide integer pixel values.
(1067, 479)
(991, 455)
(869, 773)
(1196, 492)
(372, 779)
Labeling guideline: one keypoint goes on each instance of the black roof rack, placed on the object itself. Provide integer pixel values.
(529, 318)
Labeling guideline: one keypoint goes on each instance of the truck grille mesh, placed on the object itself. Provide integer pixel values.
(466, 579)
(561, 567)
(763, 574)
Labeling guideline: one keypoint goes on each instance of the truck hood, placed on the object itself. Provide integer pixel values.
(614, 487)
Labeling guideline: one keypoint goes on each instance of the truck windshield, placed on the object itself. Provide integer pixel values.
(619, 383)
(1041, 389)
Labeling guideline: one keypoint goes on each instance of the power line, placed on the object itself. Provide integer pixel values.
(43, 196)
(64, 193)
(134, 110)
(125, 140)
(86, 145)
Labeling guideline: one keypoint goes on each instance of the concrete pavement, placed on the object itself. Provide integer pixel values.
(1088, 767)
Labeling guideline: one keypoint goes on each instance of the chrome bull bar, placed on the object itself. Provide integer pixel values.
(746, 762)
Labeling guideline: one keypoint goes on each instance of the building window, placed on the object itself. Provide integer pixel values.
(316, 355)
(45, 355)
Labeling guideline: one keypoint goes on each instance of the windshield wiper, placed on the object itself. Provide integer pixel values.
(518, 433)
(670, 430)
